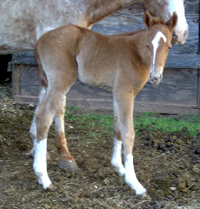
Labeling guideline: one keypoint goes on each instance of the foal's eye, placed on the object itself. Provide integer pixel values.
(169, 47)
(148, 47)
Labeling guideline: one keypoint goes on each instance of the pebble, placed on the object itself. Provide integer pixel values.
(172, 188)
(184, 129)
(162, 147)
(169, 140)
(196, 169)
(195, 187)
(197, 151)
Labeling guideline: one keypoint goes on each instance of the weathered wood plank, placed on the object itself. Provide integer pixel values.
(30, 82)
(198, 90)
(178, 87)
(179, 92)
(106, 105)
(181, 56)
(191, 6)
(130, 19)
(16, 80)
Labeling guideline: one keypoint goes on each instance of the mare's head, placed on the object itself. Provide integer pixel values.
(165, 9)
(158, 44)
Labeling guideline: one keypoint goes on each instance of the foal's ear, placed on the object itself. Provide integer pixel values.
(171, 23)
(148, 19)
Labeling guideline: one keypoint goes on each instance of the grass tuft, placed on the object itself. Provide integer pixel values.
(189, 124)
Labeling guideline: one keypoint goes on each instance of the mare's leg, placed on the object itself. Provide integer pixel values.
(66, 161)
(123, 104)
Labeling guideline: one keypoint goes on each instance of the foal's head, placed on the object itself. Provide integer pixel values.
(158, 44)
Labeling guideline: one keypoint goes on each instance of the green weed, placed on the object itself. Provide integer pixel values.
(148, 120)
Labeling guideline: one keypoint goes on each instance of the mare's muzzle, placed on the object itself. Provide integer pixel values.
(180, 37)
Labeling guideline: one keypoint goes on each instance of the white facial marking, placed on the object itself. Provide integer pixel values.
(40, 163)
(155, 42)
(130, 176)
(116, 160)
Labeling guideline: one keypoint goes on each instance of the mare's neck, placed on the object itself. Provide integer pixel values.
(97, 10)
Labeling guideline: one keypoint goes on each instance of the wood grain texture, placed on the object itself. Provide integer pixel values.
(131, 19)
(30, 82)
(179, 92)
(178, 87)
(16, 80)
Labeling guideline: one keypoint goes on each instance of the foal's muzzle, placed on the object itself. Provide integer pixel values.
(155, 80)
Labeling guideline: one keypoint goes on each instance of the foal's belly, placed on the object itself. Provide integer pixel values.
(94, 75)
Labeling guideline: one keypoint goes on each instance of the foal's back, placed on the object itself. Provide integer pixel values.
(98, 58)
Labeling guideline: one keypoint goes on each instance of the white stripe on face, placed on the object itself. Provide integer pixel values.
(155, 43)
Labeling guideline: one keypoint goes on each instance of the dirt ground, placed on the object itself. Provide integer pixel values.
(171, 178)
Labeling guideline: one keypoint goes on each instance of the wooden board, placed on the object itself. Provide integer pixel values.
(179, 92)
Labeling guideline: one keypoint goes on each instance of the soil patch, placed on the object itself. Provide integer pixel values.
(165, 164)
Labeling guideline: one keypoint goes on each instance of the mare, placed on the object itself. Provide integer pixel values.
(23, 22)
(122, 63)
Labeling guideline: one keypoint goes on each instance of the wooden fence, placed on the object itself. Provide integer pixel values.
(179, 92)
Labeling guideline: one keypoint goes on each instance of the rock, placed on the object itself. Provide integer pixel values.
(147, 143)
(172, 188)
(169, 140)
(195, 187)
(182, 184)
(161, 146)
(184, 129)
(197, 151)
(196, 169)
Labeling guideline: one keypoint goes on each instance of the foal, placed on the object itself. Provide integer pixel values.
(122, 63)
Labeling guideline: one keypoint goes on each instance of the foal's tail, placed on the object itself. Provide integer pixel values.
(41, 72)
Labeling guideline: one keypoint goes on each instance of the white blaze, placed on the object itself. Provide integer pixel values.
(155, 42)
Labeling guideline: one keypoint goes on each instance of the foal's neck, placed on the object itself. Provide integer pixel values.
(139, 41)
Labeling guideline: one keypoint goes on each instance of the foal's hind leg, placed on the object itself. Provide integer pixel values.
(33, 128)
(66, 161)
(45, 113)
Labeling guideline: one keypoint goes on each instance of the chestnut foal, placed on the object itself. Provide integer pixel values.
(122, 63)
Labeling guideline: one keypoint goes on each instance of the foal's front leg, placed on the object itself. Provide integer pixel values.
(123, 127)
(66, 161)
(116, 160)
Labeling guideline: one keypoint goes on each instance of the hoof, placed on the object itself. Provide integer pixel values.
(142, 195)
(68, 164)
(51, 188)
